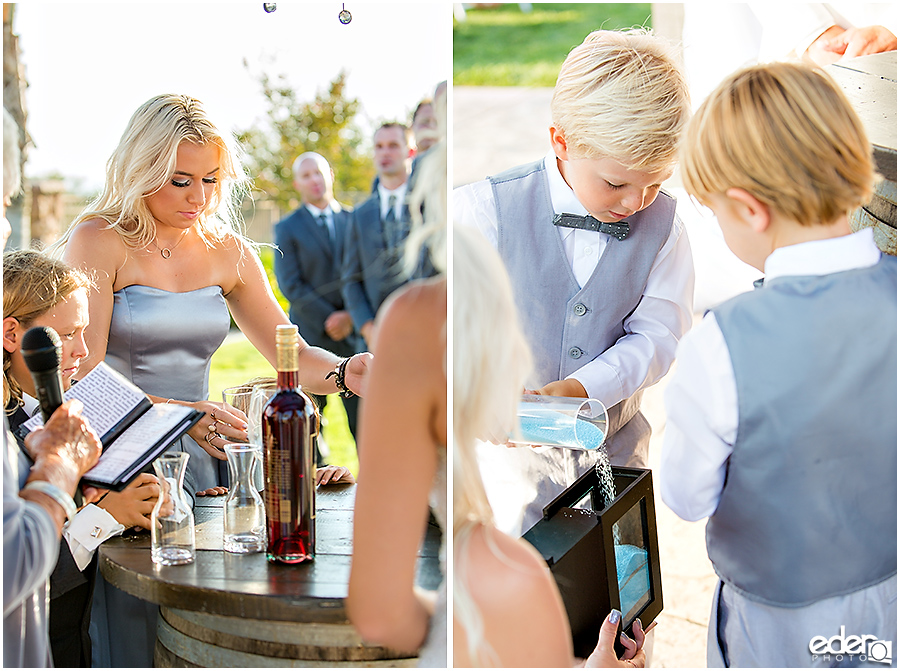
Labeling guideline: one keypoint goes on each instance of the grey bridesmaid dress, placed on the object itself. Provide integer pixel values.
(163, 342)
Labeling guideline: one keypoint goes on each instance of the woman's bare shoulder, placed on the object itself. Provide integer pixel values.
(504, 563)
(407, 307)
(525, 620)
(95, 240)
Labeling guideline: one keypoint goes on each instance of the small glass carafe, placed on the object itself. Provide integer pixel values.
(172, 520)
(245, 512)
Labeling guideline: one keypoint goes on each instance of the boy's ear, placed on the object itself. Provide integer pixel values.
(11, 339)
(750, 209)
(559, 144)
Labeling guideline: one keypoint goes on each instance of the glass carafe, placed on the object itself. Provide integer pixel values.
(172, 520)
(245, 512)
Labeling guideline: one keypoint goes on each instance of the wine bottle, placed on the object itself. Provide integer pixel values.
(287, 422)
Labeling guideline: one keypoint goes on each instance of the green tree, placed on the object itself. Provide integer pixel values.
(325, 125)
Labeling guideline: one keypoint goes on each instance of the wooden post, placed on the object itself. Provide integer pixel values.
(14, 102)
(46, 212)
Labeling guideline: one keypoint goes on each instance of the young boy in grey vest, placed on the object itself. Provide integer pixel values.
(782, 414)
(600, 264)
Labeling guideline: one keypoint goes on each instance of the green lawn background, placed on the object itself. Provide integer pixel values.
(504, 46)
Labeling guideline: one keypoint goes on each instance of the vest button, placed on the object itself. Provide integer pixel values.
(575, 353)
(579, 309)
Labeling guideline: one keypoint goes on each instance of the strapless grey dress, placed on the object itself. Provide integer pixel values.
(163, 342)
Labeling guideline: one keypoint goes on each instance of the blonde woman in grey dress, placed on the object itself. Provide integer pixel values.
(163, 242)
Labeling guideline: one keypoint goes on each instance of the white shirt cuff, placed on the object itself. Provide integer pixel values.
(90, 527)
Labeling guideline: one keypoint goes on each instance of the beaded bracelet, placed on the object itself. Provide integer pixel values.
(339, 373)
(64, 500)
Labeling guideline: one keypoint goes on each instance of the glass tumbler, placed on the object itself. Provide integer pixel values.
(172, 521)
(245, 512)
(579, 423)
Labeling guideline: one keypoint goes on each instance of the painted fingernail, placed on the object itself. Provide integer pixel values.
(615, 616)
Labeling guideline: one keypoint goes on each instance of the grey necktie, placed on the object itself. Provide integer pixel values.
(323, 220)
(391, 225)
(390, 217)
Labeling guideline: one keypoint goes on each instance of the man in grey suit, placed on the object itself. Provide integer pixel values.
(308, 268)
(379, 227)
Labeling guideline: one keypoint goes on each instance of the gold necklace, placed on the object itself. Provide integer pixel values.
(166, 252)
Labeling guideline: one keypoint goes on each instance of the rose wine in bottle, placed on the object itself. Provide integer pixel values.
(287, 422)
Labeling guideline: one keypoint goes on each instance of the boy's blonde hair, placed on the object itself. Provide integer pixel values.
(785, 133)
(144, 162)
(33, 283)
(622, 95)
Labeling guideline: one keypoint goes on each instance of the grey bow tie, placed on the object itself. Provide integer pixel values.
(588, 223)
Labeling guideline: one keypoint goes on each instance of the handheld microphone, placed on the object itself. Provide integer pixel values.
(42, 351)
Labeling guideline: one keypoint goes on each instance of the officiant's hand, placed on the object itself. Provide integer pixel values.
(221, 424)
(133, 505)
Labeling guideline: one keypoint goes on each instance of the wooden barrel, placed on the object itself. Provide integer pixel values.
(191, 639)
(880, 214)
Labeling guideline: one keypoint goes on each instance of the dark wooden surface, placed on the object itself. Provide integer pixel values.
(870, 82)
(249, 586)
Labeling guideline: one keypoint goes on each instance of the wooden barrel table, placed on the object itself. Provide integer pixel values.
(228, 610)
(870, 82)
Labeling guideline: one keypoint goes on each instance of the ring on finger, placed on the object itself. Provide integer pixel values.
(213, 414)
(212, 427)
(209, 437)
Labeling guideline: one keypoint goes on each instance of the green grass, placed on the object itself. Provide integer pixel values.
(503, 46)
(237, 361)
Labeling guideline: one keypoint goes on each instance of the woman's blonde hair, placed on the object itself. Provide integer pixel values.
(145, 160)
(33, 283)
(428, 199)
(785, 133)
(622, 95)
(491, 360)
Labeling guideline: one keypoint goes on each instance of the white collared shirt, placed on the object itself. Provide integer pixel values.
(701, 398)
(646, 351)
(91, 525)
(329, 211)
(384, 197)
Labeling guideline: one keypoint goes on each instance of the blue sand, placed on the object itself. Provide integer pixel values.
(633, 574)
(556, 428)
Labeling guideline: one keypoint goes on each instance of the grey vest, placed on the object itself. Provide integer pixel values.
(809, 508)
(568, 327)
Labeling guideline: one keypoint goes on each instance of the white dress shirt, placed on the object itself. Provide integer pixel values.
(720, 37)
(644, 354)
(329, 211)
(701, 398)
(91, 525)
(399, 197)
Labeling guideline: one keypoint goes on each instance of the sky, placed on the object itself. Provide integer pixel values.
(89, 66)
